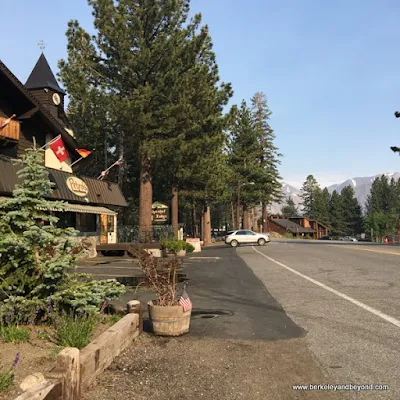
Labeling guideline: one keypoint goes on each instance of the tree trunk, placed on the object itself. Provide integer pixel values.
(202, 227)
(254, 220)
(246, 217)
(233, 215)
(175, 212)
(145, 200)
(195, 231)
(265, 225)
(207, 226)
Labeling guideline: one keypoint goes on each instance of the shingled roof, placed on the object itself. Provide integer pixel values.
(291, 226)
(42, 77)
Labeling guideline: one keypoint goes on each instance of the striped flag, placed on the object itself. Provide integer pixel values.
(184, 301)
(83, 152)
(6, 122)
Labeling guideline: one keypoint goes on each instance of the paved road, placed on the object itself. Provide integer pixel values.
(347, 298)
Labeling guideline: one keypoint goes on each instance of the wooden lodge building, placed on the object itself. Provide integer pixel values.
(298, 227)
(38, 106)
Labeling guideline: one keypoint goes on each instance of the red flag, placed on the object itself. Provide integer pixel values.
(83, 152)
(59, 149)
(6, 122)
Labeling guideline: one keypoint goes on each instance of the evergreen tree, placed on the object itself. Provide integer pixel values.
(382, 208)
(351, 211)
(151, 62)
(310, 192)
(245, 154)
(270, 186)
(323, 207)
(290, 209)
(336, 215)
(36, 257)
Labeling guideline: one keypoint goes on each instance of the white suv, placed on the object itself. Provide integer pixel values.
(245, 236)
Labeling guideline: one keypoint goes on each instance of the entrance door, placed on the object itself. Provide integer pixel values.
(103, 229)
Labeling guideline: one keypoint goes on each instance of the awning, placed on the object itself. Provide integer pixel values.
(81, 208)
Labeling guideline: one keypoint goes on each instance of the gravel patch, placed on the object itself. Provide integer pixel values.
(203, 368)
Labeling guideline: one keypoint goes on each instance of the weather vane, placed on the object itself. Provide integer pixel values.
(42, 45)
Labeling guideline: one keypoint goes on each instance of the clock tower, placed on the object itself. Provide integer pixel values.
(44, 86)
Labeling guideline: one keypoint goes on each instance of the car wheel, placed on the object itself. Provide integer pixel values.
(261, 242)
(234, 243)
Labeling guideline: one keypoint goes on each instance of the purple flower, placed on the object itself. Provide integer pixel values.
(16, 361)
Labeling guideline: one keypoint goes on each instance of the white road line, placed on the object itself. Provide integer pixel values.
(378, 313)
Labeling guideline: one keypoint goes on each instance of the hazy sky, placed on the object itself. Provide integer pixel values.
(330, 70)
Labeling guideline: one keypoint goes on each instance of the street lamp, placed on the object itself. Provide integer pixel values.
(396, 149)
(238, 201)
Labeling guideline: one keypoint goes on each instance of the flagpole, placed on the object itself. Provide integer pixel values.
(51, 141)
(106, 170)
(116, 162)
(76, 161)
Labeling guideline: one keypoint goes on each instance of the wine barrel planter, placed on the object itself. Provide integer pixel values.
(169, 320)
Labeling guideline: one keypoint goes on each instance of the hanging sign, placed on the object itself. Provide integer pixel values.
(77, 186)
(159, 213)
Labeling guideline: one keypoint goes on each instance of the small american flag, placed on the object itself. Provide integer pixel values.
(184, 301)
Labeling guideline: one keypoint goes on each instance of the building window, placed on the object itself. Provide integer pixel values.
(88, 223)
(110, 223)
(66, 219)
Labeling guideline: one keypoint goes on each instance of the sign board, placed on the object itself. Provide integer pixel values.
(160, 214)
(77, 186)
(195, 242)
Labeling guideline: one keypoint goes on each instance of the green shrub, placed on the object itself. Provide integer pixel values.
(36, 256)
(189, 247)
(288, 235)
(75, 330)
(7, 378)
(13, 334)
(111, 319)
(173, 246)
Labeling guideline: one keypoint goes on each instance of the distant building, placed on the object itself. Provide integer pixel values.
(298, 226)
(39, 112)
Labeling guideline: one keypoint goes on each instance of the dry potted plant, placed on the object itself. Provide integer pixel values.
(170, 313)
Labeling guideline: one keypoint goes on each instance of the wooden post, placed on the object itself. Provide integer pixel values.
(134, 307)
(68, 361)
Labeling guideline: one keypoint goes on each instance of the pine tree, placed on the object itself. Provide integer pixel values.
(336, 215)
(244, 158)
(37, 257)
(382, 208)
(351, 211)
(270, 186)
(290, 209)
(323, 207)
(151, 61)
(309, 194)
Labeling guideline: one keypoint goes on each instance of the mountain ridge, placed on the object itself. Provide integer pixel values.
(362, 187)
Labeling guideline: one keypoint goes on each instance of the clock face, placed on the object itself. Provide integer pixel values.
(56, 99)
